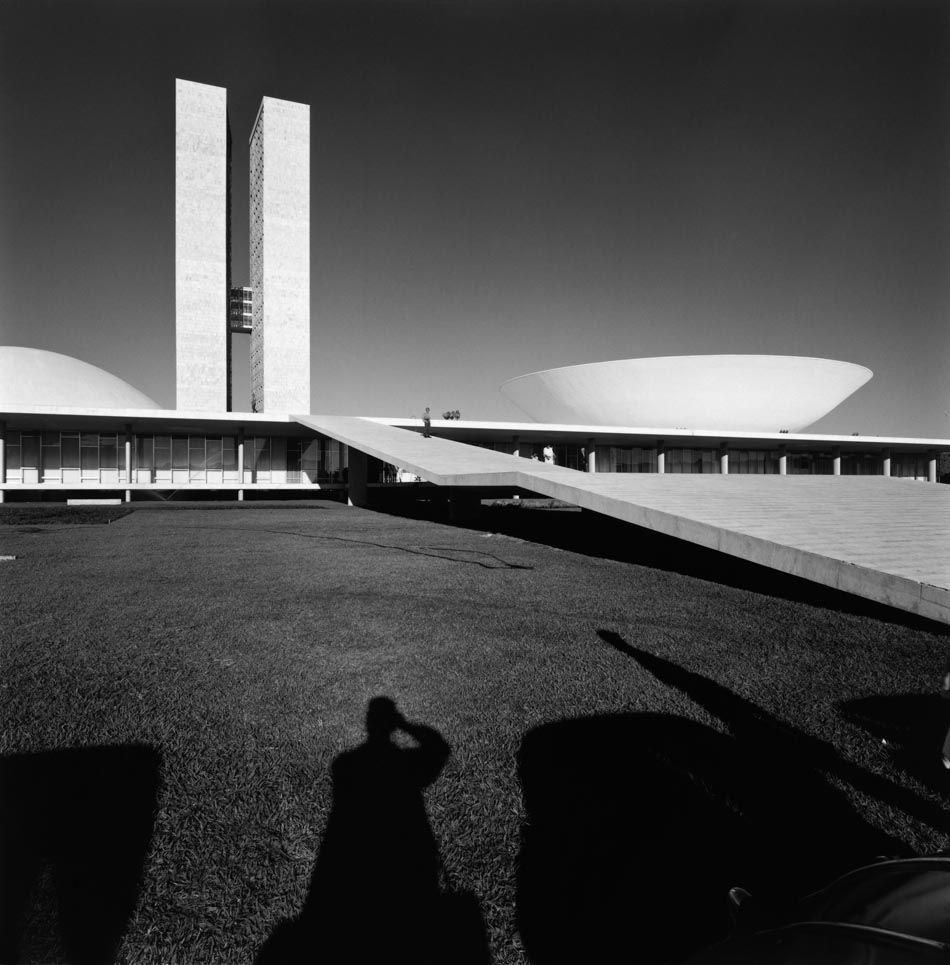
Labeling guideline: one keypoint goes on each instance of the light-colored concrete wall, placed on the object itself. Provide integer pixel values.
(256, 259)
(201, 270)
(280, 257)
(752, 393)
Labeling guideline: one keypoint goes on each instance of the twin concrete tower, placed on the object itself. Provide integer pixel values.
(275, 309)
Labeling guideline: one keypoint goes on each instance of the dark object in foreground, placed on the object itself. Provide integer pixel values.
(889, 913)
(75, 826)
(638, 824)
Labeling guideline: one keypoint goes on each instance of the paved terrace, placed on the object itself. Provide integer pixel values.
(884, 539)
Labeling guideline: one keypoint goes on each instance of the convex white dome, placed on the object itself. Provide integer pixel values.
(754, 393)
(33, 377)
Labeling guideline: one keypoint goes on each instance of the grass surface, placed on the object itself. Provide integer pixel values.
(618, 732)
(59, 514)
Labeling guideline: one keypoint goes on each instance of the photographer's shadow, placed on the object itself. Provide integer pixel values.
(375, 893)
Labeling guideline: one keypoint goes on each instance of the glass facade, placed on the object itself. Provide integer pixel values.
(910, 466)
(683, 460)
(625, 459)
(99, 457)
(76, 458)
(762, 461)
(318, 460)
(862, 464)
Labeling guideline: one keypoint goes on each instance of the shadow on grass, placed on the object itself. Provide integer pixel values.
(375, 893)
(593, 534)
(451, 554)
(777, 740)
(637, 825)
(914, 727)
(76, 826)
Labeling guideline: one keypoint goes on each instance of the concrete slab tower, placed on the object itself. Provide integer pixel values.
(280, 257)
(202, 246)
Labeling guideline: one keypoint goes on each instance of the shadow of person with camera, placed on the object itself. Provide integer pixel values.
(375, 892)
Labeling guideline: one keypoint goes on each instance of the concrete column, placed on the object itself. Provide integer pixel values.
(591, 456)
(836, 460)
(516, 446)
(128, 495)
(240, 461)
(886, 462)
(128, 457)
(932, 467)
(724, 459)
(782, 461)
(3, 457)
(660, 456)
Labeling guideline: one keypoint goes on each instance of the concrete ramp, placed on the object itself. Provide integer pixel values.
(886, 540)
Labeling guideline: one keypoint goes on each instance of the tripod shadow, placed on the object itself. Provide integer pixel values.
(75, 826)
(375, 893)
(637, 825)
(777, 740)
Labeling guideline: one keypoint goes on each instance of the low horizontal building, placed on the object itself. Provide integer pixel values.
(48, 450)
(67, 426)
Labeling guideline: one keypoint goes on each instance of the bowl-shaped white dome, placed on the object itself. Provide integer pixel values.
(32, 377)
(755, 393)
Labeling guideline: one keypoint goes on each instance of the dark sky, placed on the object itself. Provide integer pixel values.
(503, 187)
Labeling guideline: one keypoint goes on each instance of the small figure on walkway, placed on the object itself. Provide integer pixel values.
(426, 424)
(549, 454)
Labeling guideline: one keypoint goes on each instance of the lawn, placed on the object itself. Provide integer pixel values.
(626, 741)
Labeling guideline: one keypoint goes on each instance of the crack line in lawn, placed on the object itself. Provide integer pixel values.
(503, 564)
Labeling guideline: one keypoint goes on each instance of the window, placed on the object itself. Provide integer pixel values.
(144, 447)
(262, 453)
(756, 461)
(70, 450)
(51, 453)
(293, 460)
(228, 454)
(196, 453)
(163, 454)
(89, 453)
(213, 450)
(180, 452)
(108, 452)
(29, 451)
(861, 464)
(909, 466)
(13, 451)
(800, 464)
(310, 458)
